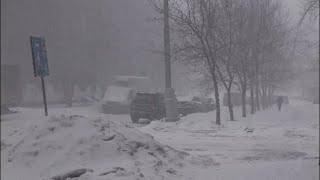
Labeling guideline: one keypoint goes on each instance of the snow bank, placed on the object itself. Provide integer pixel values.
(271, 123)
(110, 149)
(193, 122)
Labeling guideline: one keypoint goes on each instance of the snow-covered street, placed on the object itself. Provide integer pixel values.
(268, 145)
(285, 135)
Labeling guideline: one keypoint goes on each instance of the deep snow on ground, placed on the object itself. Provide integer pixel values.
(37, 147)
(267, 145)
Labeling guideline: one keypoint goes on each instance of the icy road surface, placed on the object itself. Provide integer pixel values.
(268, 145)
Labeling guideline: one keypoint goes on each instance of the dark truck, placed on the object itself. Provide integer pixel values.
(151, 106)
(147, 106)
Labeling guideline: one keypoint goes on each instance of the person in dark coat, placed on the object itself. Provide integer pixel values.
(279, 102)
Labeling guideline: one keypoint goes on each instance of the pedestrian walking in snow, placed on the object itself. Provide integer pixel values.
(279, 102)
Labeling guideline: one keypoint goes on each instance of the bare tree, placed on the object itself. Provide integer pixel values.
(242, 52)
(232, 43)
(311, 9)
(195, 22)
(268, 27)
(276, 64)
(227, 55)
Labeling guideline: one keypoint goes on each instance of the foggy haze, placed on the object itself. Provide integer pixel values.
(97, 39)
(90, 40)
(159, 89)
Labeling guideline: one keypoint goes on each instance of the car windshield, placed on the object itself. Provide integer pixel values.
(117, 94)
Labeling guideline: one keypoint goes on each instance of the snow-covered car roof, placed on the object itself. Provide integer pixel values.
(126, 78)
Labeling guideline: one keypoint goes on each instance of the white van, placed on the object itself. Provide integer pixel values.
(117, 100)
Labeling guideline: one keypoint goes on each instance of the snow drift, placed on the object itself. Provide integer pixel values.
(108, 149)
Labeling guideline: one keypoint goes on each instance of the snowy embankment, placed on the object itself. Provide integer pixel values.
(267, 145)
(43, 147)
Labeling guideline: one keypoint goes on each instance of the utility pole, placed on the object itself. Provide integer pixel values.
(170, 98)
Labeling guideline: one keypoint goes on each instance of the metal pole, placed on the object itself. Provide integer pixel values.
(166, 33)
(170, 98)
(44, 97)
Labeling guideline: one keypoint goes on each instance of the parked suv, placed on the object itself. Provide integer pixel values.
(188, 107)
(151, 106)
(147, 106)
(206, 104)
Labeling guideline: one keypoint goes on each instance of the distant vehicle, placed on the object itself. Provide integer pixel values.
(5, 110)
(188, 107)
(147, 106)
(202, 99)
(117, 100)
(207, 104)
(118, 96)
(151, 106)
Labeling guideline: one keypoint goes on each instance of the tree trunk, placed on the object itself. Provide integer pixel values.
(243, 99)
(267, 97)
(230, 104)
(260, 97)
(270, 100)
(256, 81)
(257, 97)
(264, 104)
(252, 97)
(271, 94)
(216, 95)
(244, 91)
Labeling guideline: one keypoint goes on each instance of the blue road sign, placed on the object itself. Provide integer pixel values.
(39, 56)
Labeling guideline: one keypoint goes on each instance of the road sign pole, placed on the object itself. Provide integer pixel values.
(44, 97)
(40, 64)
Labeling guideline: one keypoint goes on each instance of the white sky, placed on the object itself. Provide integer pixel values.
(294, 6)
